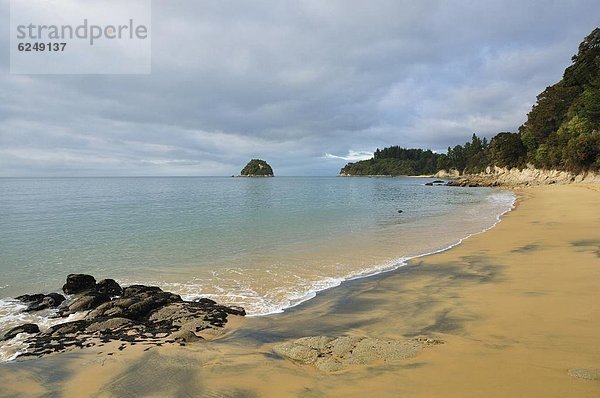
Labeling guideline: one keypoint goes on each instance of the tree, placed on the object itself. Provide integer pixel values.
(507, 150)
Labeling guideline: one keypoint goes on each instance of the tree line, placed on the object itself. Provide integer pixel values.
(562, 132)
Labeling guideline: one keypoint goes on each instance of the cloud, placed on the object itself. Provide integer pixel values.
(352, 156)
(289, 82)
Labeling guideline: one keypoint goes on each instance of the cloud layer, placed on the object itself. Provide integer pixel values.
(306, 85)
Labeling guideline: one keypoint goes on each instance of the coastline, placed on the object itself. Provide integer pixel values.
(516, 308)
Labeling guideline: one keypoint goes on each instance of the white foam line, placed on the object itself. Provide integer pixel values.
(401, 262)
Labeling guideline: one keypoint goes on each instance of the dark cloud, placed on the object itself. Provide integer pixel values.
(306, 85)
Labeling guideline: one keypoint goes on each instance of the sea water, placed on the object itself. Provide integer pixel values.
(263, 243)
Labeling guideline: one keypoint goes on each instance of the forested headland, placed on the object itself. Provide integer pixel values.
(562, 132)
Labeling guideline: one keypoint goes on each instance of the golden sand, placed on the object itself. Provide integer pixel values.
(517, 307)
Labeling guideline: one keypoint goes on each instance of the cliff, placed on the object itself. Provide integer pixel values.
(503, 176)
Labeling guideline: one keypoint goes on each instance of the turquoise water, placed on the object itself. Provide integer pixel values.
(265, 243)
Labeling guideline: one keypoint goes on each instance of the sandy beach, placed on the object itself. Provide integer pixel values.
(512, 312)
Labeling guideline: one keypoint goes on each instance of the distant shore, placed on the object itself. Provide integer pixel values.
(510, 312)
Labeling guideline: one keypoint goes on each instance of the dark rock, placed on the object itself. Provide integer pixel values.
(110, 287)
(205, 301)
(77, 283)
(87, 301)
(28, 298)
(140, 314)
(30, 328)
(429, 184)
(137, 303)
(68, 327)
(51, 300)
(438, 182)
(400, 211)
(37, 302)
(134, 290)
(235, 310)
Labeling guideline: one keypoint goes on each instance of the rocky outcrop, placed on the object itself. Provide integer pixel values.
(110, 287)
(139, 314)
(532, 176)
(77, 283)
(329, 354)
(452, 173)
(38, 302)
(29, 328)
(257, 168)
(497, 176)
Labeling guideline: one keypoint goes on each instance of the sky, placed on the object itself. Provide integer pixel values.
(307, 85)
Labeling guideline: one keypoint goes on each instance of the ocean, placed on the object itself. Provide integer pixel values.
(263, 243)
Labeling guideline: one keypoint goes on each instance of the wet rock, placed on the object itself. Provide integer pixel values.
(429, 184)
(30, 298)
(77, 283)
(136, 290)
(38, 302)
(438, 182)
(30, 328)
(131, 315)
(87, 301)
(333, 354)
(110, 287)
(235, 310)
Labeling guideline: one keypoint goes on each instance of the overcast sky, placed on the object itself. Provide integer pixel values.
(305, 85)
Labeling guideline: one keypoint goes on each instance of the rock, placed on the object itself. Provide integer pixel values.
(68, 327)
(257, 168)
(138, 313)
(38, 302)
(30, 328)
(429, 184)
(77, 283)
(137, 302)
(134, 290)
(333, 354)
(87, 301)
(185, 336)
(111, 324)
(28, 298)
(400, 211)
(205, 301)
(235, 310)
(438, 182)
(110, 287)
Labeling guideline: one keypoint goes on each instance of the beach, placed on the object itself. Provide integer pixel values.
(513, 311)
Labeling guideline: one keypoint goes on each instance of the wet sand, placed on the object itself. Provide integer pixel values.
(517, 308)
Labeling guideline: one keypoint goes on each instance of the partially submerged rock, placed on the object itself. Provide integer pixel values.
(134, 314)
(30, 328)
(331, 354)
(77, 283)
(38, 302)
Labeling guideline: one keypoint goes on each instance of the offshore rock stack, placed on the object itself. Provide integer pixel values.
(133, 314)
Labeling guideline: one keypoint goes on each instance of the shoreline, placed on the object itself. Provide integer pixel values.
(395, 264)
(515, 312)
